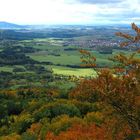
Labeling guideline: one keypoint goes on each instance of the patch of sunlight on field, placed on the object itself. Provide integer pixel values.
(7, 69)
(74, 71)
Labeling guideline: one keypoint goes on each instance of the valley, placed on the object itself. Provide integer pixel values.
(48, 89)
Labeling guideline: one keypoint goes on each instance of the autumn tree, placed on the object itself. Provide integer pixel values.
(80, 132)
(120, 87)
(85, 132)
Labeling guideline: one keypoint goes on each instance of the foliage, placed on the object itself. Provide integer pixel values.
(87, 59)
(54, 109)
(80, 132)
(120, 92)
(11, 137)
(85, 92)
(94, 117)
(62, 123)
(28, 136)
(85, 107)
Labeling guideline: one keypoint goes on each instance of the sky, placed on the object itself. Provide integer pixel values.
(70, 11)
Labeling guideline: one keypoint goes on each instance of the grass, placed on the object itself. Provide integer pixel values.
(63, 59)
(85, 72)
(51, 47)
(69, 58)
(6, 69)
(61, 84)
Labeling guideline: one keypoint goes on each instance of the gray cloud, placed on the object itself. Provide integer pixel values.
(99, 1)
(118, 11)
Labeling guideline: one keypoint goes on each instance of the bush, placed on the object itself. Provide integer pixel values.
(28, 136)
(55, 109)
(62, 123)
(94, 117)
(85, 107)
(22, 123)
(79, 132)
(85, 92)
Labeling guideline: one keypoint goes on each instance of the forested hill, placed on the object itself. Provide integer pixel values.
(7, 25)
(57, 32)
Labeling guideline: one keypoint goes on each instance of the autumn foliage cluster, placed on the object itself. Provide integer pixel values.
(118, 87)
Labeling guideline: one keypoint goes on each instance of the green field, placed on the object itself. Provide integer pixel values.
(51, 50)
(70, 58)
(63, 57)
(74, 71)
(6, 69)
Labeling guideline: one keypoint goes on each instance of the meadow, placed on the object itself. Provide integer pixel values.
(79, 72)
(64, 60)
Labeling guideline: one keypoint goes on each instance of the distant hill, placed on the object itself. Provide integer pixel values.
(7, 25)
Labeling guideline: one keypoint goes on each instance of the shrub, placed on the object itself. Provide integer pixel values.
(55, 109)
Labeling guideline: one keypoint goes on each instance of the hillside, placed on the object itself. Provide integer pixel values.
(7, 25)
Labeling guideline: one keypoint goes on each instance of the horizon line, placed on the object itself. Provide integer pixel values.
(68, 24)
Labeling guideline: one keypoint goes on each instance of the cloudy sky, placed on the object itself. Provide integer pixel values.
(70, 11)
